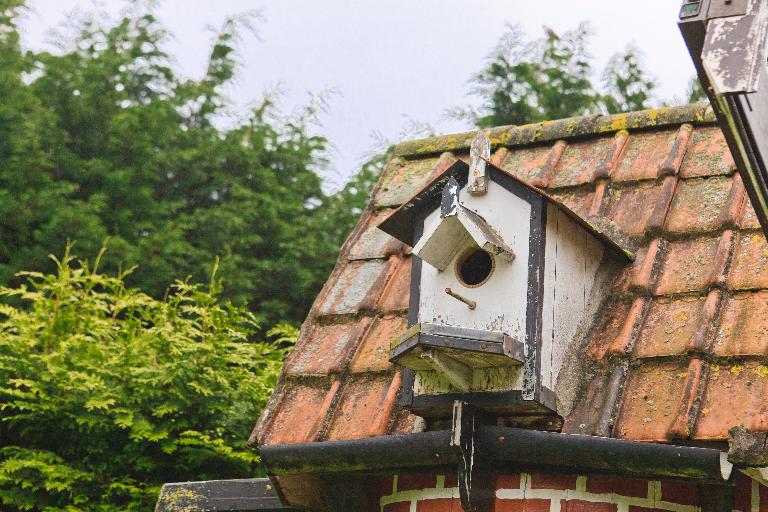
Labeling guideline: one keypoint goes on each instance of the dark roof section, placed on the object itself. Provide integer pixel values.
(400, 223)
(678, 351)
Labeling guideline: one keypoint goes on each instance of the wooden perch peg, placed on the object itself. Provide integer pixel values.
(470, 303)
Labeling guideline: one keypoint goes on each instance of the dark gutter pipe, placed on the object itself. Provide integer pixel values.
(496, 447)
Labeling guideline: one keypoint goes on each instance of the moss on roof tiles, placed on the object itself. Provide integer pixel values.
(574, 127)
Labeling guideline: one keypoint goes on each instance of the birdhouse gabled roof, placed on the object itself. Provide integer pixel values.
(401, 222)
(676, 353)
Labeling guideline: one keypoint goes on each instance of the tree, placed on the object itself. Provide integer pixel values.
(106, 393)
(104, 139)
(551, 78)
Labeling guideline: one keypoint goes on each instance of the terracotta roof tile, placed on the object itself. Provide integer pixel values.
(644, 155)
(398, 289)
(374, 243)
(628, 206)
(707, 154)
(404, 177)
(365, 407)
(613, 319)
(300, 413)
(670, 326)
(356, 288)
(530, 163)
(735, 395)
(748, 217)
(744, 326)
(687, 266)
(580, 201)
(698, 205)
(326, 350)
(750, 262)
(373, 354)
(580, 161)
(653, 394)
(696, 292)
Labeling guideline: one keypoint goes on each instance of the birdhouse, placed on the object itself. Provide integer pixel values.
(503, 277)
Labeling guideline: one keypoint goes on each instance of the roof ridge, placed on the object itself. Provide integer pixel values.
(568, 128)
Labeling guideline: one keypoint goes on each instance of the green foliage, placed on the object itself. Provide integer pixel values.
(104, 138)
(551, 78)
(695, 92)
(626, 85)
(106, 393)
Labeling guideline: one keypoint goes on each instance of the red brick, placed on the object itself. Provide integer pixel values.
(643, 155)
(735, 395)
(439, 505)
(669, 326)
(385, 485)
(530, 505)
(742, 492)
(408, 482)
(679, 492)
(763, 492)
(750, 263)
(452, 480)
(744, 325)
(586, 506)
(687, 266)
(364, 408)
(397, 291)
(707, 154)
(559, 481)
(373, 354)
(508, 481)
(698, 204)
(403, 506)
(603, 484)
(652, 397)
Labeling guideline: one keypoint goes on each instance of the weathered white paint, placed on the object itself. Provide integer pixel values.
(501, 300)
(501, 378)
(572, 257)
(445, 237)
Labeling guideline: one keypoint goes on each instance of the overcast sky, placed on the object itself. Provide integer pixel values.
(391, 61)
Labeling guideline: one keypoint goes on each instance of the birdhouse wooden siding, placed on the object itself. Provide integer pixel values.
(494, 331)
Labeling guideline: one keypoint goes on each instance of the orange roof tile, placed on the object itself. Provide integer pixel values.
(674, 353)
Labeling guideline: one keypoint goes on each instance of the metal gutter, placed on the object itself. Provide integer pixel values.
(497, 447)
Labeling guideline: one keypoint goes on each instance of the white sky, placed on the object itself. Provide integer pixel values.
(391, 61)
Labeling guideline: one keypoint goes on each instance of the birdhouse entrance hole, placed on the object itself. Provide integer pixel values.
(474, 267)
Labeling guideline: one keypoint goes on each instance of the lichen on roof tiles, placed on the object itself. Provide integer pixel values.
(679, 339)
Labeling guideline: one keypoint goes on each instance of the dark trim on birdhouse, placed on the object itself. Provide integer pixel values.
(536, 248)
(400, 223)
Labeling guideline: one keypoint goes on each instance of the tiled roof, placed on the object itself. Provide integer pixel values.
(678, 352)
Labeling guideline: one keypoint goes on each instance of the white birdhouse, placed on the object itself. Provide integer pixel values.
(502, 278)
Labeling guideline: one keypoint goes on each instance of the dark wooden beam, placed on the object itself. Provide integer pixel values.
(246, 495)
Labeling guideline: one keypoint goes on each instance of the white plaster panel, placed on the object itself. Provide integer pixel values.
(501, 301)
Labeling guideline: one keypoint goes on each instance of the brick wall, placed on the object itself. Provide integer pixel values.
(558, 492)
